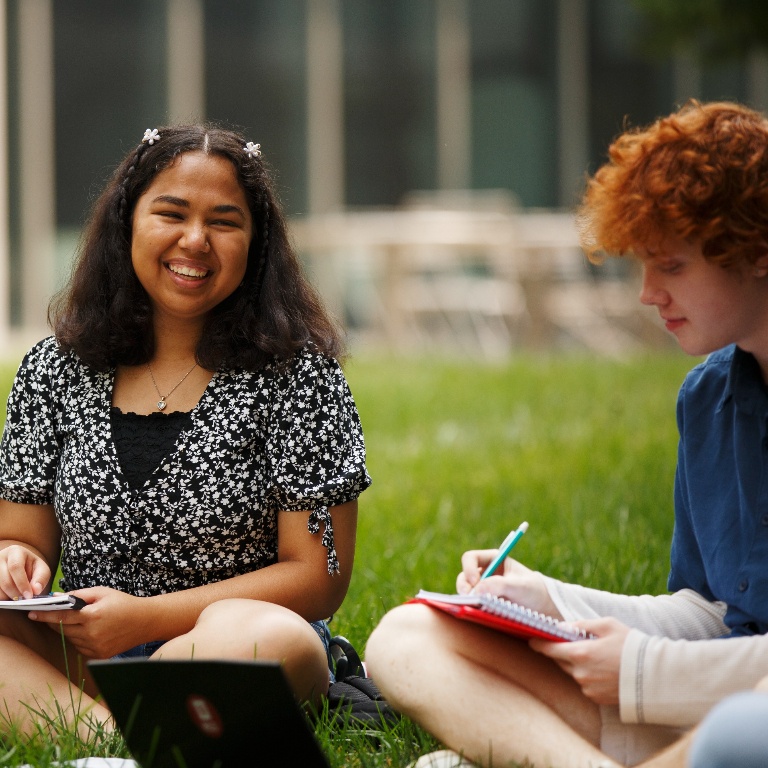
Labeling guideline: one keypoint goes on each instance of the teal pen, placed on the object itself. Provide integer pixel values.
(504, 550)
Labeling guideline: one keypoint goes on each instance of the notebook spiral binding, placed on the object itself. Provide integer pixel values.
(500, 606)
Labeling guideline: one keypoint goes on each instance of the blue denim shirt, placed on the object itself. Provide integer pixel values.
(720, 542)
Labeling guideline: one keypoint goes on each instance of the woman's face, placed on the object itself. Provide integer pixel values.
(190, 236)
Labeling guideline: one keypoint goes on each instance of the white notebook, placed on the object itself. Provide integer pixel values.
(53, 602)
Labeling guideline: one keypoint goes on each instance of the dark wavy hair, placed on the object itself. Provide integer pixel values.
(104, 314)
(700, 174)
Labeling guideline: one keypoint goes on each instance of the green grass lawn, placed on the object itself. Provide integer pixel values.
(581, 448)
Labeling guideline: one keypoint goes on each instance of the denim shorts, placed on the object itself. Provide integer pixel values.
(321, 627)
(145, 650)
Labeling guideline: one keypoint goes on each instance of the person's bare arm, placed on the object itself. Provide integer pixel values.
(30, 546)
(299, 580)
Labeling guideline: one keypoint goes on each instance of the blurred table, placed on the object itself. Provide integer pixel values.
(482, 280)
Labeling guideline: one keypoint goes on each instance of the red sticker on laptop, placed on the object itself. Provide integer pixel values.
(204, 715)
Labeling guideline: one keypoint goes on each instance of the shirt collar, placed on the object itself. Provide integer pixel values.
(745, 383)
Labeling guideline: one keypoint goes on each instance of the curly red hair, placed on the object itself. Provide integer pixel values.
(700, 174)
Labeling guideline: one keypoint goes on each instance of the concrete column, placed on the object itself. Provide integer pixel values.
(5, 280)
(757, 83)
(37, 162)
(186, 60)
(454, 95)
(572, 98)
(325, 107)
(686, 79)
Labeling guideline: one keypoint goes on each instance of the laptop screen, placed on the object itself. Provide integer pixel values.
(206, 714)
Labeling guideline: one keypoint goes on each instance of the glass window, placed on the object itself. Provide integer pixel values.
(255, 82)
(514, 98)
(110, 86)
(390, 99)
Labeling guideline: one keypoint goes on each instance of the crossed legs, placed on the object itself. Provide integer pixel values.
(493, 700)
(482, 693)
(43, 679)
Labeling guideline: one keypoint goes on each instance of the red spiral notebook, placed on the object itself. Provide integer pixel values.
(503, 615)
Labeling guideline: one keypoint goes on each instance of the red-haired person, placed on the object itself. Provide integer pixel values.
(688, 198)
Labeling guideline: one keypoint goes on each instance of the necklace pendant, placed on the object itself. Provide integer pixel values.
(161, 402)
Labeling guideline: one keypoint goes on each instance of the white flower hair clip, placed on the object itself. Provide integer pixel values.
(150, 136)
(252, 150)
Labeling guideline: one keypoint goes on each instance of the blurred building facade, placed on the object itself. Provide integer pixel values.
(356, 103)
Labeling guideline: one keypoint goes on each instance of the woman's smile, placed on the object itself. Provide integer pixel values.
(190, 273)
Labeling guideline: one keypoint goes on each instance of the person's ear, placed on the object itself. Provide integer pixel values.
(760, 267)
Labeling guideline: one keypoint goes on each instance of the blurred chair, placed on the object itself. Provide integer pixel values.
(462, 290)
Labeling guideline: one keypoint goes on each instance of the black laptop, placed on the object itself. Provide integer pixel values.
(207, 714)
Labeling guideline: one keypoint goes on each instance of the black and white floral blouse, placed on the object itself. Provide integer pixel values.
(283, 438)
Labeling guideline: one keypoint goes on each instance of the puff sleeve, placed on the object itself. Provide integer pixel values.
(315, 444)
(29, 449)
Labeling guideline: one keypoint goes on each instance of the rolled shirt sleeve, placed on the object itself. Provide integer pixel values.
(676, 682)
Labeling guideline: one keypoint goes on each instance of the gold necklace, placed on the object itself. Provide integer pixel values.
(161, 402)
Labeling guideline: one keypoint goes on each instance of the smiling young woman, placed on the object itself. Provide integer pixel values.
(185, 444)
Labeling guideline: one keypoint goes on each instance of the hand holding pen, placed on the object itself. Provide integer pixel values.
(504, 550)
(519, 584)
(496, 562)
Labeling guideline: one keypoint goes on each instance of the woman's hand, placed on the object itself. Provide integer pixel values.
(513, 581)
(112, 622)
(593, 664)
(30, 546)
(23, 572)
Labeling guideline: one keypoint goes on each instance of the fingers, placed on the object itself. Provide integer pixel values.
(74, 632)
(101, 628)
(603, 627)
(68, 617)
(22, 572)
(574, 658)
(473, 563)
(595, 665)
(559, 652)
(67, 623)
(56, 619)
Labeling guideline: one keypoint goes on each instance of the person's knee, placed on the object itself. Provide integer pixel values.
(396, 650)
(278, 634)
(224, 611)
(252, 630)
(733, 734)
(260, 630)
(401, 630)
